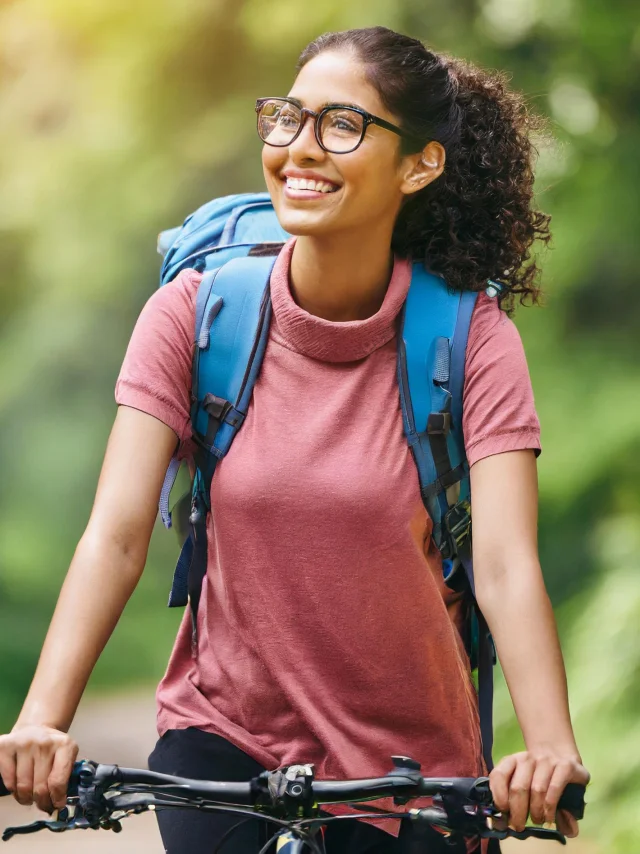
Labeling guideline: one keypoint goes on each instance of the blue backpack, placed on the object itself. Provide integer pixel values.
(233, 241)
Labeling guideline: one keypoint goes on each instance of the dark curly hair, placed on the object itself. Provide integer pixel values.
(476, 221)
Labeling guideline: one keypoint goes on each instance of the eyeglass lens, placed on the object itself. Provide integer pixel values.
(340, 128)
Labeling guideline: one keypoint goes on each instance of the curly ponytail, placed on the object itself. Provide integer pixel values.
(477, 220)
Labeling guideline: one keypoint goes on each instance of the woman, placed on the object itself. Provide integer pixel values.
(326, 633)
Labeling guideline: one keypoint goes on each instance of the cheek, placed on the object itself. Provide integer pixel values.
(373, 181)
(273, 160)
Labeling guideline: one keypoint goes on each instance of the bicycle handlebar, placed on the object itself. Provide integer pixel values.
(397, 784)
(290, 798)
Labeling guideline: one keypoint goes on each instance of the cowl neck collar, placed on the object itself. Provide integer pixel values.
(327, 340)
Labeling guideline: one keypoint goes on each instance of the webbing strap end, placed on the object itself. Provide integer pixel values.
(167, 486)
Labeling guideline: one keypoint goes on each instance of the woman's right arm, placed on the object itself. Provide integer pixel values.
(36, 758)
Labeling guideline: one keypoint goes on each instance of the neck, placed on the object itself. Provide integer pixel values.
(338, 279)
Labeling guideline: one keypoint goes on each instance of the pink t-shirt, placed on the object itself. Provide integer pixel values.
(325, 631)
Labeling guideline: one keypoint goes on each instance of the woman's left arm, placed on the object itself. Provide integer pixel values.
(511, 594)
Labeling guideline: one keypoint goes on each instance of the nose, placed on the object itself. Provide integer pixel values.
(306, 146)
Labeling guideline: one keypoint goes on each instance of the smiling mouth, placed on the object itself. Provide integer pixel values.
(310, 185)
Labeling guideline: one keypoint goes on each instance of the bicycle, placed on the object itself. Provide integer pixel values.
(100, 796)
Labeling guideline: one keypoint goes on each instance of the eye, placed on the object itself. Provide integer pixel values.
(342, 123)
(345, 122)
(287, 118)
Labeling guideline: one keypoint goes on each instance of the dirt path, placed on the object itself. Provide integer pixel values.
(121, 729)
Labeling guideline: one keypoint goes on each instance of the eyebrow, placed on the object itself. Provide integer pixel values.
(299, 103)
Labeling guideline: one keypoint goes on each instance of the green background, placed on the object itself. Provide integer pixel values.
(117, 119)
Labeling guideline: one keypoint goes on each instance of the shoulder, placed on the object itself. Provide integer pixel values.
(490, 323)
(169, 314)
(156, 373)
(498, 404)
(178, 295)
(493, 339)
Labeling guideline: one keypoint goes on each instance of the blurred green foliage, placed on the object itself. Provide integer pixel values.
(117, 119)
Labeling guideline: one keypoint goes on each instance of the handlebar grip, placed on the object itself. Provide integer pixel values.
(572, 800)
(73, 781)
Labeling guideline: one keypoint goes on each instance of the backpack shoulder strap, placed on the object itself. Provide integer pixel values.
(233, 314)
(432, 346)
(431, 362)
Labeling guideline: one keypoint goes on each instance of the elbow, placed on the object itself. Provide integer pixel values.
(501, 583)
(124, 546)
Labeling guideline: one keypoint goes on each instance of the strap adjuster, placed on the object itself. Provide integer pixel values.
(221, 411)
(438, 423)
(456, 528)
(216, 407)
(458, 521)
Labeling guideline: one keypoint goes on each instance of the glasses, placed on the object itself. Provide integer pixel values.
(338, 128)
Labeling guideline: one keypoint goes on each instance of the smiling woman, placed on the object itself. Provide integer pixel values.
(476, 222)
(328, 582)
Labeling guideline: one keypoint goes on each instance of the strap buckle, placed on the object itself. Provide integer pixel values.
(438, 423)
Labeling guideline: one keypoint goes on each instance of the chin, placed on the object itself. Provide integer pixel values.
(303, 223)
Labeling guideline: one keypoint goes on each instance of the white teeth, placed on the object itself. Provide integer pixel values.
(309, 184)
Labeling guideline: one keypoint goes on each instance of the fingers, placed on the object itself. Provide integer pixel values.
(539, 786)
(7, 764)
(500, 779)
(36, 763)
(519, 792)
(61, 771)
(567, 823)
(564, 772)
(43, 760)
(23, 792)
(532, 783)
(510, 784)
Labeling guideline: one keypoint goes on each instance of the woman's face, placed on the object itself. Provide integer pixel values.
(368, 180)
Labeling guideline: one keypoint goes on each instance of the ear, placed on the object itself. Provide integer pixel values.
(422, 168)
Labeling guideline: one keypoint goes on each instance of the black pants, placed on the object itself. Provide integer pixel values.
(201, 756)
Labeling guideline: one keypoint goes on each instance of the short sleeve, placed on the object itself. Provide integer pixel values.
(498, 404)
(156, 373)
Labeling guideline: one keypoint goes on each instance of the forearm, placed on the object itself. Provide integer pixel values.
(520, 617)
(101, 578)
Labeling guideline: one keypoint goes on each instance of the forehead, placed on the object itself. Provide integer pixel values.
(336, 78)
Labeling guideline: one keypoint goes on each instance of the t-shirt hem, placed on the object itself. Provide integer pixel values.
(146, 401)
(259, 754)
(525, 438)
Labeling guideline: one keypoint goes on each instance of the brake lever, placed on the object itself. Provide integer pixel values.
(59, 825)
(55, 826)
(528, 832)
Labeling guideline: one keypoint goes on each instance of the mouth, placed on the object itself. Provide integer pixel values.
(308, 188)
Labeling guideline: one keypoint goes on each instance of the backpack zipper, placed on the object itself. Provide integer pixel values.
(256, 342)
(404, 384)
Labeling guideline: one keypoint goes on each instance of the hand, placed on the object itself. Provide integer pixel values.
(35, 765)
(532, 782)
